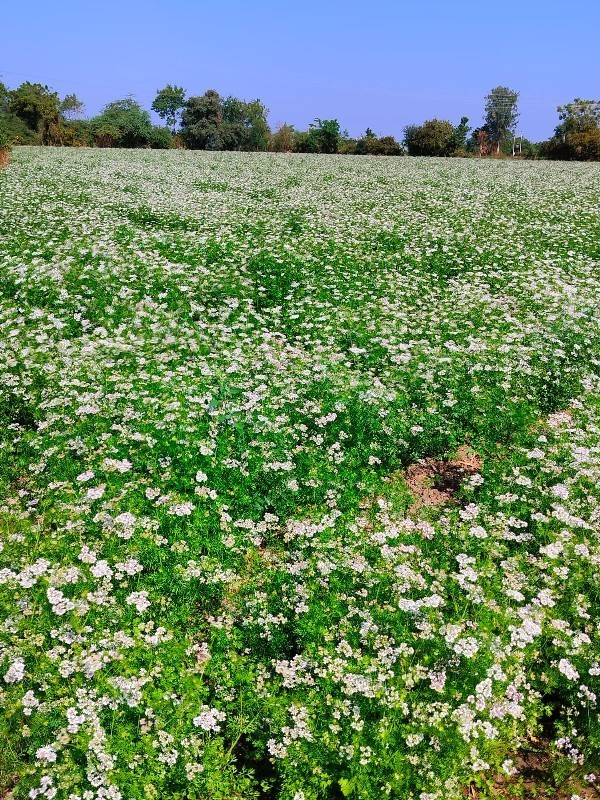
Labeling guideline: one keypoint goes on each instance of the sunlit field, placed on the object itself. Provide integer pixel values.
(217, 371)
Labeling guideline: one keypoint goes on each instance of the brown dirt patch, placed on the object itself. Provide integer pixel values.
(533, 780)
(433, 482)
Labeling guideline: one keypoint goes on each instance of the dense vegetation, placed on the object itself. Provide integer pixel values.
(34, 114)
(215, 367)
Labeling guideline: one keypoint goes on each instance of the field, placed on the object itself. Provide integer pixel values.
(298, 476)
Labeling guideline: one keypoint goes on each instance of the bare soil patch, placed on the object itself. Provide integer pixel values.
(533, 780)
(434, 482)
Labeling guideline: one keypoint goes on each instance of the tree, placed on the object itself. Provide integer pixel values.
(258, 130)
(282, 141)
(580, 116)
(202, 122)
(71, 106)
(326, 135)
(433, 138)
(459, 135)
(482, 141)
(4, 97)
(16, 131)
(305, 142)
(132, 124)
(501, 114)
(373, 146)
(169, 103)
(245, 125)
(38, 107)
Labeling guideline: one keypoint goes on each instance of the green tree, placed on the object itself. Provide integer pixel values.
(202, 122)
(580, 116)
(38, 107)
(459, 135)
(4, 97)
(501, 114)
(435, 137)
(258, 130)
(169, 103)
(128, 119)
(71, 106)
(305, 142)
(373, 146)
(245, 125)
(326, 135)
(16, 131)
(282, 141)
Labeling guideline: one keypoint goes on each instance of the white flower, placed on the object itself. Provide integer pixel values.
(181, 509)
(209, 719)
(567, 669)
(139, 600)
(47, 753)
(85, 476)
(15, 672)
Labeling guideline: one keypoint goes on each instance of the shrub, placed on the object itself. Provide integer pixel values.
(160, 138)
(580, 146)
(435, 137)
(16, 130)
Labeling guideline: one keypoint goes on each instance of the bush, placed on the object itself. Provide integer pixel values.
(160, 138)
(580, 146)
(129, 120)
(16, 130)
(433, 138)
(383, 146)
(77, 133)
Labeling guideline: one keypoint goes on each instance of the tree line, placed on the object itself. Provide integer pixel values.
(34, 114)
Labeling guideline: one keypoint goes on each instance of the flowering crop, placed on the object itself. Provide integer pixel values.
(214, 369)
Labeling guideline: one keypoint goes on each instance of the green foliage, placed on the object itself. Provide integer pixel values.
(371, 145)
(38, 107)
(326, 135)
(459, 135)
(16, 130)
(77, 133)
(577, 146)
(169, 103)
(434, 137)
(244, 125)
(202, 122)
(214, 580)
(282, 140)
(160, 138)
(71, 106)
(122, 123)
(580, 116)
(501, 114)
(577, 137)
(305, 142)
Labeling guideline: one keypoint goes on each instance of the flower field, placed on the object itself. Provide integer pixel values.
(215, 369)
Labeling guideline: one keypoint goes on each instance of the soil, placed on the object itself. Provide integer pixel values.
(433, 482)
(533, 780)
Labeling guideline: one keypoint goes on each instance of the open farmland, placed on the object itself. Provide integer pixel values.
(217, 371)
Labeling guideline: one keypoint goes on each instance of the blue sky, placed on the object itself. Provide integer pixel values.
(381, 64)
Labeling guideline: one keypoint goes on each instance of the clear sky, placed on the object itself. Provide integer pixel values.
(382, 64)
